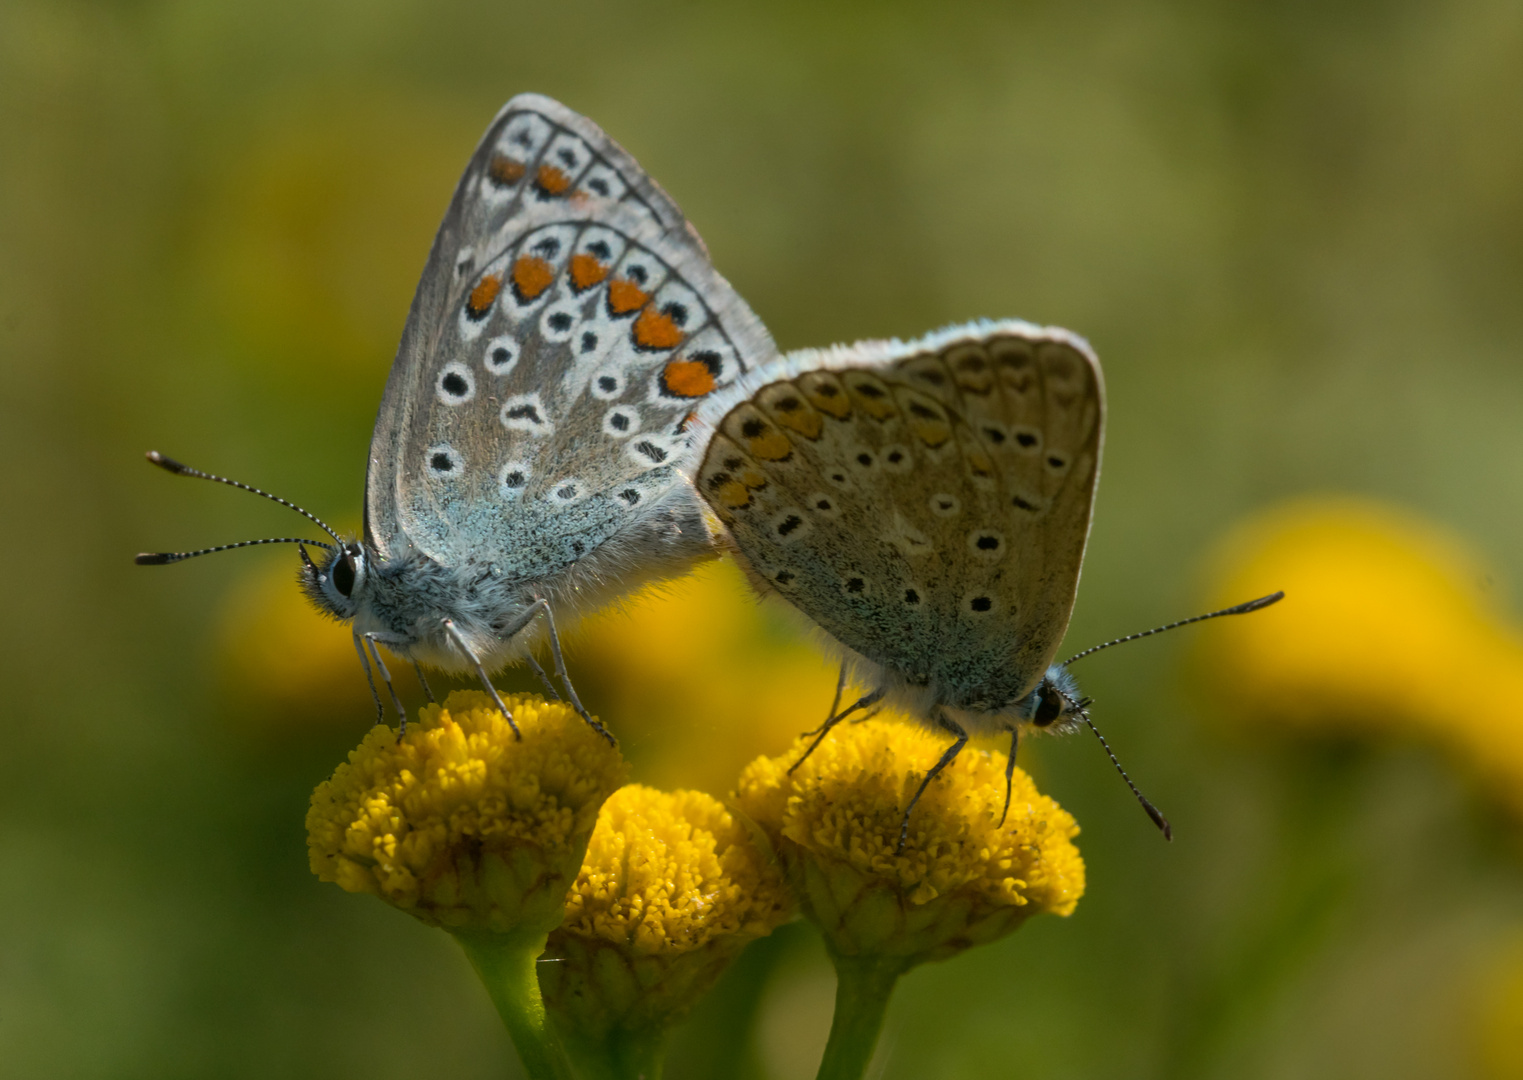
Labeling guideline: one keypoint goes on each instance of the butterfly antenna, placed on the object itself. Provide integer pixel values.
(1238, 609)
(1081, 709)
(169, 464)
(164, 558)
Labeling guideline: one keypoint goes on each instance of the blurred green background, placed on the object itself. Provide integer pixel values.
(1293, 231)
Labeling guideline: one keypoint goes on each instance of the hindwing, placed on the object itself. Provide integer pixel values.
(927, 503)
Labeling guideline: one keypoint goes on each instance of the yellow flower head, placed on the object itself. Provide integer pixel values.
(1498, 1020)
(963, 878)
(698, 713)
(461, 823)
(671, 889)
(1385, 629)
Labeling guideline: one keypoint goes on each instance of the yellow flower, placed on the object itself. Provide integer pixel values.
(671, 889)
(701, 676)
(460, 823)
(963, 878)
(1499, 1019)
(1386, 629)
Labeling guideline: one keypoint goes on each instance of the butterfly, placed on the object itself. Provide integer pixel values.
(926, 504)
(526, 457)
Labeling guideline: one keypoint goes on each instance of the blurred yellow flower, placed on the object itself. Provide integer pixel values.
(963, 878)
(670, 891)
(698, 676)
(462, 824)
(285, 662)
(1499, 1019)
(701, 676)
(1386, 629)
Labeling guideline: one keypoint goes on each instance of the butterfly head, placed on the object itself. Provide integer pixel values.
(338, 583)
(1055, 704)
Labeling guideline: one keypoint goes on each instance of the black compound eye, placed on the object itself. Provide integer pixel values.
(343, 574)
(1048, 709)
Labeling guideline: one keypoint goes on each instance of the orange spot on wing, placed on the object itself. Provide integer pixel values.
(774, 446)
(625, 296)
(874, 400)
(586, 272)
(927, 418)
(504, 171)
(825, 394)
(732, 495)
(483, 294)
(765, 442)
(531, 276)
(931, 432)
(805, 422)
(687, 378)
(753, 477)
(654, 330)
(551, 180)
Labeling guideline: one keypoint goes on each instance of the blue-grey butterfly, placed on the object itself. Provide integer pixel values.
(526, 457)
(927, 505)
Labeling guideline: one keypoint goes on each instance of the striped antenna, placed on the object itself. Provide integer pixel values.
(163, 558)
(1081, 710)
(1238, 609)
(169, 464)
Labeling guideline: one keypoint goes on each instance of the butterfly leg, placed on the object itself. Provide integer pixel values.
(560, 671)
(543, 678)
(380, 710)
(1015, 742)
(386, 678)
(831, 721)
(868, 715)
(946, 759)
(428, 693)
(835, 703)
(464, 646)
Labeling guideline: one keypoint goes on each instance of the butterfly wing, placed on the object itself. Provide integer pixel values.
(566, 324)
(927, 504)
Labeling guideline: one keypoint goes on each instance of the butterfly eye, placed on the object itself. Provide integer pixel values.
(1048, 709)
(343, 573)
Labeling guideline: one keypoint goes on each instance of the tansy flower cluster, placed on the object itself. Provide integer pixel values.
(962, 879)
(462, 823)
(597, 914)
(672, 888)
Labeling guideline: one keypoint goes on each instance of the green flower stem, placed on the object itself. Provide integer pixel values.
(506, 964)
(622, 1055)
(642, 1054)
(863, 986)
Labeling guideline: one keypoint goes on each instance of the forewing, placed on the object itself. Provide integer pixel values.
(926, 503)
(566, 324)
